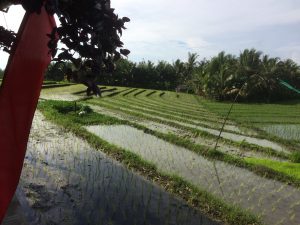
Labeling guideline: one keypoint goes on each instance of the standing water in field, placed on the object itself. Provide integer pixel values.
(275, 202)
(285, 131)
(66, 182)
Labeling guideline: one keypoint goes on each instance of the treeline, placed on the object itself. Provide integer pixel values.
(251, 74)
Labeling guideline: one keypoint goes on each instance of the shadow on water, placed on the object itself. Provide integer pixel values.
(85, 187)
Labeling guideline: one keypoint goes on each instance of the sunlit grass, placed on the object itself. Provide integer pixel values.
(288, 168)
(259, 113)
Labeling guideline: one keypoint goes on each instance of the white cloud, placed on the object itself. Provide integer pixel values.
(202, 24)
(291, 51)
(158, 27)
(12, 21)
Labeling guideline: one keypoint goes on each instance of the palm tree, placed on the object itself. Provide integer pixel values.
(221, 75)
(248, 72)
(179, 71)
(199, 79)
(190, 66)
(268, 74)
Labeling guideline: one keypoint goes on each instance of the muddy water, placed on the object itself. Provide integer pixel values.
(65, 181)
(276, 202)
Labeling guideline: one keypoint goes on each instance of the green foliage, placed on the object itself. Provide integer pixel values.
(295, 157)
(143, 74)
(64, 107)
(264, 114)
(71, 112)
(253, 75)
(220, 78)
(55, 72)
(290, 169)
(1, 73)
(86, 109)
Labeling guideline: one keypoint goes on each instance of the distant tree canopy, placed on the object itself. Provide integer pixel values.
(219, 78)
(89, 31)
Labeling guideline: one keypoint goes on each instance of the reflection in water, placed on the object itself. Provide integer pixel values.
(64, 181)
(240, 186)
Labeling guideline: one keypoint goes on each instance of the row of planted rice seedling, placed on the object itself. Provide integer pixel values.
(232, 178)
(242, 113)
(65, 181)
(166, 116)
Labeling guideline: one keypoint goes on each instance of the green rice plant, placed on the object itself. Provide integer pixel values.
(195, 196)
(288, 168)
(295, 157)
(190, 128)
(285, 131)
(139, 92)
(129, 92)
(151, 93)
(258, 113)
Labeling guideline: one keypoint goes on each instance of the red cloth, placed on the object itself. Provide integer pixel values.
(18, 99)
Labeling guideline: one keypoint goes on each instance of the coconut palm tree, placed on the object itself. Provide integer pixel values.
(189, 67)
(221, 76)
(248, 72)
(266, 81)
(199, 80)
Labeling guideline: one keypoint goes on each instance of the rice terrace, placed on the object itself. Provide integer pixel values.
(93, 133)
(170, 172)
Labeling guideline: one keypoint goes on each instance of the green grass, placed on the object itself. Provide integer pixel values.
(258, 113)
(62, 114)
(247, 116)
(288, 168)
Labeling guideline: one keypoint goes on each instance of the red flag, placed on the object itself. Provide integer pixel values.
(18, 98)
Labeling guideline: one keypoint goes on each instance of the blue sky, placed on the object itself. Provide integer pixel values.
(169, 29)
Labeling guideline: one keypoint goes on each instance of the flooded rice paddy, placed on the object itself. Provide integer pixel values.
(166, 129)
(226, 135)
(65, 181)
(276, 202)
(285, 131)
